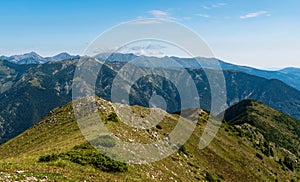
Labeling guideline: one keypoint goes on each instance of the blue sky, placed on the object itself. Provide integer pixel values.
(259, 33)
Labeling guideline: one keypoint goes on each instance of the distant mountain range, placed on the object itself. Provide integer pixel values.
(34, 58)
(293, 71)
(290, 76)
(30, 91)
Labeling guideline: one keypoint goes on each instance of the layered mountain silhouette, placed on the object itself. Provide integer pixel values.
(34, 58)
(30, 91)
(290, 76)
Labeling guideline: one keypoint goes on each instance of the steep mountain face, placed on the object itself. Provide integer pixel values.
(239, 85)
(9, 74)
(275, 126)
(29, 92)
(34, 58)
(290, 76)
(55, 147)
(273, 93)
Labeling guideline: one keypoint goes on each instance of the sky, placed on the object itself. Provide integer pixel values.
(258, 33)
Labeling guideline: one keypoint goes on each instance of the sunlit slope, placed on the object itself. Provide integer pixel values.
(233, 155)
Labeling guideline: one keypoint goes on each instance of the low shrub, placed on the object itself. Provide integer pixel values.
(113, 117)
(159, 127)
(48, 158)
(183, 150)
(259, 156)
(209, 177)
(83, 155)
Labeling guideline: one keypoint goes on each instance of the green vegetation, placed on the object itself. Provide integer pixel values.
(49, 158)
(55, 148)
(32, 91)
(259, 156)
(158, 127)
(113, 117)
(275, 126)
(85, 155)
(289, 163)
(182, 149)
(209, 177)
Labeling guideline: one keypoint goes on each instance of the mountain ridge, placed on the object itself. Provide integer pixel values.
(25, 86)
(34, 58)
(277, 127)
(290, 76)
(233, 155)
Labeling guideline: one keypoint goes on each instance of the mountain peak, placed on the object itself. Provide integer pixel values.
(60, 57)
(63, 53)
(248, 103)
(35, 58)
(32, 54)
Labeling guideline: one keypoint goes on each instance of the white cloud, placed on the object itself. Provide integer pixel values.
(255, 14)
(145, 22)
(186, 18)
(218, 5)
(204, 15)
(161, 14)
(158, 13)
(146, 50)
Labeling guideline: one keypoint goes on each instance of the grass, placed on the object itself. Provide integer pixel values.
(58, 142)
(85, 154)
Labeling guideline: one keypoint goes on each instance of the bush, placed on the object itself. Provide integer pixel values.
(48, 158)
(272, 152)
(267, 149)
(113, 117)
(259, 156)
(83, 146)
(96, 159)
(84, 155)
(209, 177)
(288, 162)
(158, 127)
(183, 150)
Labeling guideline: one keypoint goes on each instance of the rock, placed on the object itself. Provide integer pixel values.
(20, 172)
(32, 178)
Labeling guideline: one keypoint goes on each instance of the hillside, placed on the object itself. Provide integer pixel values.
(56, 141)
(275, 126)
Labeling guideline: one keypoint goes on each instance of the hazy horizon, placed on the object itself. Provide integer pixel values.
(260, 34)
(262, 68)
